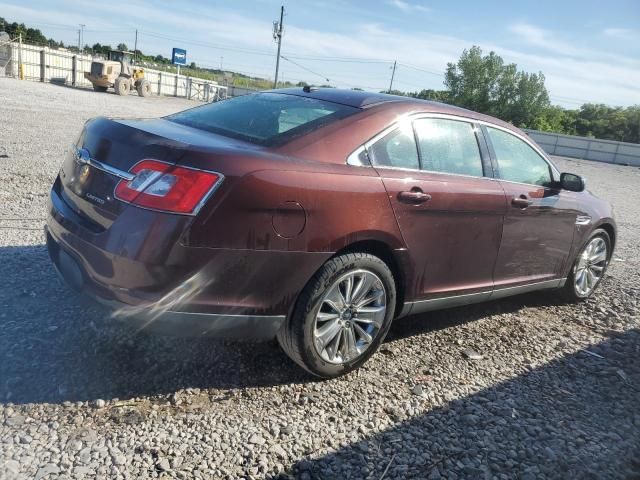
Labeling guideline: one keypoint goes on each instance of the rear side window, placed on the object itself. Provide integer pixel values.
(517, 161)
(264, 118)
(448, 146)
(396, 149)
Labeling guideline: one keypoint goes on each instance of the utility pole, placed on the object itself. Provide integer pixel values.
(135, 50)
(277, 35)
(393, 74)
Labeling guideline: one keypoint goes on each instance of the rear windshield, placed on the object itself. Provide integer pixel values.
(264, 118)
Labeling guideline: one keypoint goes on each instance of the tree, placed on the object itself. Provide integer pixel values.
(485, 84)
(123, 47)
(430, 94)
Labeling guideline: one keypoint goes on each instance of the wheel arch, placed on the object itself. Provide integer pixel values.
(389, 256)
(611, 231)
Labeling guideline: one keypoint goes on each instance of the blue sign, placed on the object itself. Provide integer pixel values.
(179, 56)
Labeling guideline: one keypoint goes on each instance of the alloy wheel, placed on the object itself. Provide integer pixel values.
(350, 316)
(590, 266)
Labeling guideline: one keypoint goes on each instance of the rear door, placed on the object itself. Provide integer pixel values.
(449, 213)
(540, 221)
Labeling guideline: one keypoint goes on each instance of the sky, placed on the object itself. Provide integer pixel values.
(589, 51)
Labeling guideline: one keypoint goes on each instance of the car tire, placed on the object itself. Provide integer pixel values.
(362, 325)
(590, 266)
(122, 86)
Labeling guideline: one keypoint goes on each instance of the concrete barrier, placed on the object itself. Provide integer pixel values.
(608, 151)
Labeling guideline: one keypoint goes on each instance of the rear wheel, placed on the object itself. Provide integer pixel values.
(122, 86)
(144, 88)
(341, 316)
(589, 267)
(98, 88)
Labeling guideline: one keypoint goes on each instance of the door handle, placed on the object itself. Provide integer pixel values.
(521, 202)
(415, 196)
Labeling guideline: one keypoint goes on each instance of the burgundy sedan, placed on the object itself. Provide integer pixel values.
(317, 216)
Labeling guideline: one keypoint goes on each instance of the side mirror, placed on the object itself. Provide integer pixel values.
(571, 182)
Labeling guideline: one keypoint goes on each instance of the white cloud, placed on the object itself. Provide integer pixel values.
(572, 71)
(407, 7)
(621, 33)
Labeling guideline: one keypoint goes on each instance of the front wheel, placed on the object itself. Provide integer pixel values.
(589, 267)
(122, 86)
(341, 316)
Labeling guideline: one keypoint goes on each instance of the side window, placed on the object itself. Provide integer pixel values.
(448, 146)
(396, 149)
(517, 161)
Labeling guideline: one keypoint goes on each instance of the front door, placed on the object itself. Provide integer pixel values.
(540, 220)
(449, 214)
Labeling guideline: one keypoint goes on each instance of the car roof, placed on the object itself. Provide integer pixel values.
(363, 100)
(351, 98)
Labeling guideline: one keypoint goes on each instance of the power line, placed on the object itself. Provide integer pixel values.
(419, 69)
(207, 45)
(337, 59)
(305, 68)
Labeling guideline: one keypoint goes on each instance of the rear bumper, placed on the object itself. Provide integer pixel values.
(160, 319)
(139, 269)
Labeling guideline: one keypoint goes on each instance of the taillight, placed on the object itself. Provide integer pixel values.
(169, 188)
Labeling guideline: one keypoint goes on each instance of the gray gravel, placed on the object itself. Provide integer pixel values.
(523, 388)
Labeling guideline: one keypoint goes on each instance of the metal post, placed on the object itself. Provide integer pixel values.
(74, 70)
(20, 65)
(393, 74)
(277, 33)
(159, 83)
(135, 50)
(43, 65)
(175, 92)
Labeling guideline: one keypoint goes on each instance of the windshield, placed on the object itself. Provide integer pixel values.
(264, 118)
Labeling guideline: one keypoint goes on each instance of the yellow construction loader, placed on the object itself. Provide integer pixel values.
(118, 72)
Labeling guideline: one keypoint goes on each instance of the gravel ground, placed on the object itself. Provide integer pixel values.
(554, 393)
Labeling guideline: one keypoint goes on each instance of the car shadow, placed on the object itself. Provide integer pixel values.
(55, 346)
(574, 417)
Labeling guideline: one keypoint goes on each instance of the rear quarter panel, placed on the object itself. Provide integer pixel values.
(299, 207)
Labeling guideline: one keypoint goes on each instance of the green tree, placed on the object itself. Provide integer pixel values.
(123, 47)
(485, 84)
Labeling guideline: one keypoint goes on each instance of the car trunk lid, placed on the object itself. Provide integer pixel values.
(104, 154)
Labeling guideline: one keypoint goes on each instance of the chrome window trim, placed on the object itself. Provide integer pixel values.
(459, 118)
(354, 158)
(432, 172)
